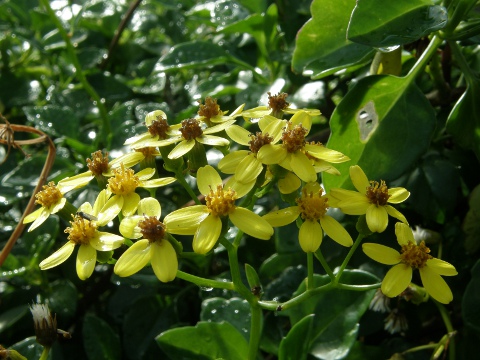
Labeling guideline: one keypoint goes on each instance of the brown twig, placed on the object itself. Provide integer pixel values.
(7, 131)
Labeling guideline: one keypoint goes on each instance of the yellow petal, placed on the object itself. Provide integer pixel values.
(154, 115)
(395, 213)
(335, 231)
(248, 169)
(323, 153)
(289, 183)
(220, 127)
(110, 210)
(397, 195)
(310, 236)
(155, 183)
(128, 160)
(208, 179)
(251, 223)
(86, 260)
(271, 154)
(181, 149)
(130, 203)
(42, 216)
(241, 189)
(99, 203)
(441, 267)
(359, 179)
(256, 112)
(435, 285)
(381, 253)
(273, 127)
(164, 260)
(150, 207)
(145, 174)
(397, 280)
(138, 139)
(282, 217)
(213, 140)
(129, 227)
(33, 215)
(104, 241)
(185, 221)
(311, 112)
(58, 256)
(133, 259)
(350, 202)
(207, 235)
(58, 206)
(74, 182)
(302, 167)
(302, 118)
(404, 234)
(377, 218)
(230, 162)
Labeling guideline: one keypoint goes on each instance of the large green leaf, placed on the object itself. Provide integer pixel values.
(382, 23)
(322, 47)
(384, 124)
(100, 341)
(53, 120)
(297, 343)
(470, 309)
(204, 341)
(334, 329)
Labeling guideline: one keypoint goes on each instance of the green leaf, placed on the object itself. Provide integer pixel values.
(11, 316)
(335, 328)
(53, 120)
(384, 124)
(297, 343)
(192, 54)
(100, 341)
(204, 341)
(234, 311)
(471, 298)
(29, 348)
(63, 299)
(381, 23)
(322, 47)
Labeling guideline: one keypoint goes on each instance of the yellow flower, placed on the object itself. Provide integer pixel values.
(295, 153)
(153, 247)
(84, 232)
(371, 199)
(412, 256)
(52, 201)
(205, 221)
(125, 181)
(312, 207)
(210, 113)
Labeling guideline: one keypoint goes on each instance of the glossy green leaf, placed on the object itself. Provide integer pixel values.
(470, 310)
(192, 54)
(298, 341)
(322, 47)
(63, 299)
(335, 326)
(205, 341)
(9, 317)
(283, 286)
(464, 120)
(53, 120)
(381, 23)
(29, 348)
(100, 340)
(234, 311)
(384, 125)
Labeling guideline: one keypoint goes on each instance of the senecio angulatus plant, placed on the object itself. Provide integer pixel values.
(266, 152)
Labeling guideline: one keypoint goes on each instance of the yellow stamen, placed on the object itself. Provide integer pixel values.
(210, 109)
(191, 129)
(277, 102)
(82, 230)
(258, 140)
(123, 182)
(98, 164)
(152, 229)
(378, 193)
(159, 127)
(415, 255)
(221, 202)
(294, 139)
(49, 196)
(313, 206)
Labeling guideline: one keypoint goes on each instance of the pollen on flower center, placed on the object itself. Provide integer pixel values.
(313, 205)
(378, 193)
(221, 202)
(148, 152)
(294, 139)
(210, 109)
(191, 129)
(98, 164)
(258, 140)
(49, 196)
(123, 182)
(277, 102)
(82, 230)
(415, 255)
(152, 229)
(159, 127)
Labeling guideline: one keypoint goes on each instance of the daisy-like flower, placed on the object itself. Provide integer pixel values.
(371, 199)
(205, 221)
(153, 247)
(412, 256)
(125, 181)
(295, 153)
(211, 114)
(277, 106)
(51, 200)
(191, 132)
(312, 208)
(83, 232)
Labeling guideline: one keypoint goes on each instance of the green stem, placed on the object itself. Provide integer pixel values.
(319, 256)
(448, 324)
(106, 128)
(310, 284)
(205, 282)
(358, 287)
(303, 296)
(181, 179)
(347, 258)
(424, 58)
(461, 61)
(256, 325)
(45, 352)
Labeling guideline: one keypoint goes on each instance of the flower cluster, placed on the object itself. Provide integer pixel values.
(278, 152)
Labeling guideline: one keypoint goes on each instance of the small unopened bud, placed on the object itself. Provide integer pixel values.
(45, 325)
